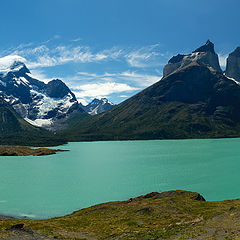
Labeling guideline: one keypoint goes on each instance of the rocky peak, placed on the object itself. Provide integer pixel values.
(102, 101)
(177, 58)
(19, 69)
(98, 106)
(17, 65)
(233, 65)
(204, 55)
(208, 47)
(10, 63)
(57, 89)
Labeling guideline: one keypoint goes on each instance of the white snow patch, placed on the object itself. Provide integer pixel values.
(232, 79)
(7, 61)
(45, 104)
(39, 122)
(24, 81)
(94, 111)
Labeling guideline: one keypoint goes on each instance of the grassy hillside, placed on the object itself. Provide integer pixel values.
(167, 215)
(191, 103)
(169, 121)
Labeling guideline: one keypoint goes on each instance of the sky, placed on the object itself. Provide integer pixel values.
(112, 48)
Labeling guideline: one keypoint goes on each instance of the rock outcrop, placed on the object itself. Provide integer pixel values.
(205, 55)
(233, 65)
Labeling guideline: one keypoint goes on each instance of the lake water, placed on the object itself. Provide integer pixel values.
(97, 172)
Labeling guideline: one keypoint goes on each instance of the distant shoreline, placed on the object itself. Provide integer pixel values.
(27, 151)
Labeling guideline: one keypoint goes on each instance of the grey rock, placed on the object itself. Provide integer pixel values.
(233, 65)
(205, 55)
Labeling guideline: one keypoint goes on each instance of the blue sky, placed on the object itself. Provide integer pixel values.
(112, 48)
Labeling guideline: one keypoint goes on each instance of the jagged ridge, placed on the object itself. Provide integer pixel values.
(205, 55)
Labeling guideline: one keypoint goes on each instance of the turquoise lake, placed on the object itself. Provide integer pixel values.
(97, 172)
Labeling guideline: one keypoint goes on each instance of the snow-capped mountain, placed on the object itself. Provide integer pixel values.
(98, 106)
(38, 103)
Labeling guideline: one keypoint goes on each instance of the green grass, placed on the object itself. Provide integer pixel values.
(172, 120)
(174, 216)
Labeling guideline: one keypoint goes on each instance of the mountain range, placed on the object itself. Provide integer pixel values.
(194, 99)
(28, 106)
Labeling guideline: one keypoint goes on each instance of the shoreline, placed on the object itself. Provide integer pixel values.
(27, 151)
(165, 215)
(148, 195)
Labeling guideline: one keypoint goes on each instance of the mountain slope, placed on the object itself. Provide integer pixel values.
(16, 131)
(194, 101)
(166, 215)
(98, 106)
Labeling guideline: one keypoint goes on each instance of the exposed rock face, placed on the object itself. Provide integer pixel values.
(233, 65)
(57, 89)
(173, 64)
(39, 103)
(205, 55)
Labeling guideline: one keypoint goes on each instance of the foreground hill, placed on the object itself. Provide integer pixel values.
(194, 99)
(14, 130)
(167, 215)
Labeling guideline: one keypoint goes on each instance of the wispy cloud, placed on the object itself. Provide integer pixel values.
(129, 69)
(148, 56)
(141, 79)
(76, 40)
(43, 56)
(49, 53)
